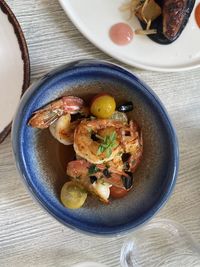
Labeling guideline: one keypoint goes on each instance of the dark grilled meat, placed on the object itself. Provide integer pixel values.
(174, 12)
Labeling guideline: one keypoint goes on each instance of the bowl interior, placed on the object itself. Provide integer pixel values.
(42, 160)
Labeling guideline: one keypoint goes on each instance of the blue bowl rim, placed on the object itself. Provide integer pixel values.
(164, 114)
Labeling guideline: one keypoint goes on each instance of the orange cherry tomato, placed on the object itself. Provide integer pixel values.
(197, 15)
(117, 192)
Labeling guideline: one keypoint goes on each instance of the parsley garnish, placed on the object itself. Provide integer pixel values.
(93, 169)
(92, 118)
(89, 130)
(108, 142)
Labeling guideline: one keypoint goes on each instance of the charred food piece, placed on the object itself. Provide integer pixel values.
(175, 17)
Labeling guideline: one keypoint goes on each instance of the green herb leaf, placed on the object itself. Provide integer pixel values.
(93, 169)
(113, 136)
(89, 130)
(114, 144)
(100, 150)
(99, 137)
(92, 118)
(108, 152)
(108, 142)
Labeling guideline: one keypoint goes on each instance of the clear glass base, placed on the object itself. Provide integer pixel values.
(160, 243)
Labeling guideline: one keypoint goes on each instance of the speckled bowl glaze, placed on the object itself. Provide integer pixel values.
(41, 160)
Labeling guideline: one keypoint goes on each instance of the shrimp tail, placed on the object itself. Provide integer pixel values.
(43, 119)
(47, 115)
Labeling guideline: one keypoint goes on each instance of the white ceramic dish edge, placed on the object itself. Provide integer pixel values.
(69, 11)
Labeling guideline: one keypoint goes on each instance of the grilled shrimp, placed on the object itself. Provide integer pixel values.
(132, 148)
(94, 138)
(97, 179)
(47, 115)
(127, 151)
(63, 129)
(132, 142)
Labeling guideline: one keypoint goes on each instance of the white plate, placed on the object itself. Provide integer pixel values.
(14, 67)
(95, 17)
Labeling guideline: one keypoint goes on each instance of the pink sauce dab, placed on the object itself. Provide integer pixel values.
(121, 33)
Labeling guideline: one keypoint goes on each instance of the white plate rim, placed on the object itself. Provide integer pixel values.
(24, 53)
(69, 11)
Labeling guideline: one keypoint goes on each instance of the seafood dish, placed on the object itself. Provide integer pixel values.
(162, 20)
(108, 146)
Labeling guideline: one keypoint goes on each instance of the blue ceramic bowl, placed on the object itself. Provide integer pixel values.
(41, 160)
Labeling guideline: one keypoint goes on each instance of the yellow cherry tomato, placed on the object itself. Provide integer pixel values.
(73, 195)
(103, 106)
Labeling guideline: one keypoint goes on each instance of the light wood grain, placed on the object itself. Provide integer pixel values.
(29, 236)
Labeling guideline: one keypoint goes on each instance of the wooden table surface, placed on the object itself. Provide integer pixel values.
(29, 236)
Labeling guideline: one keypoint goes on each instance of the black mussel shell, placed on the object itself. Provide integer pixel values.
(126, 107)
(158, 24)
